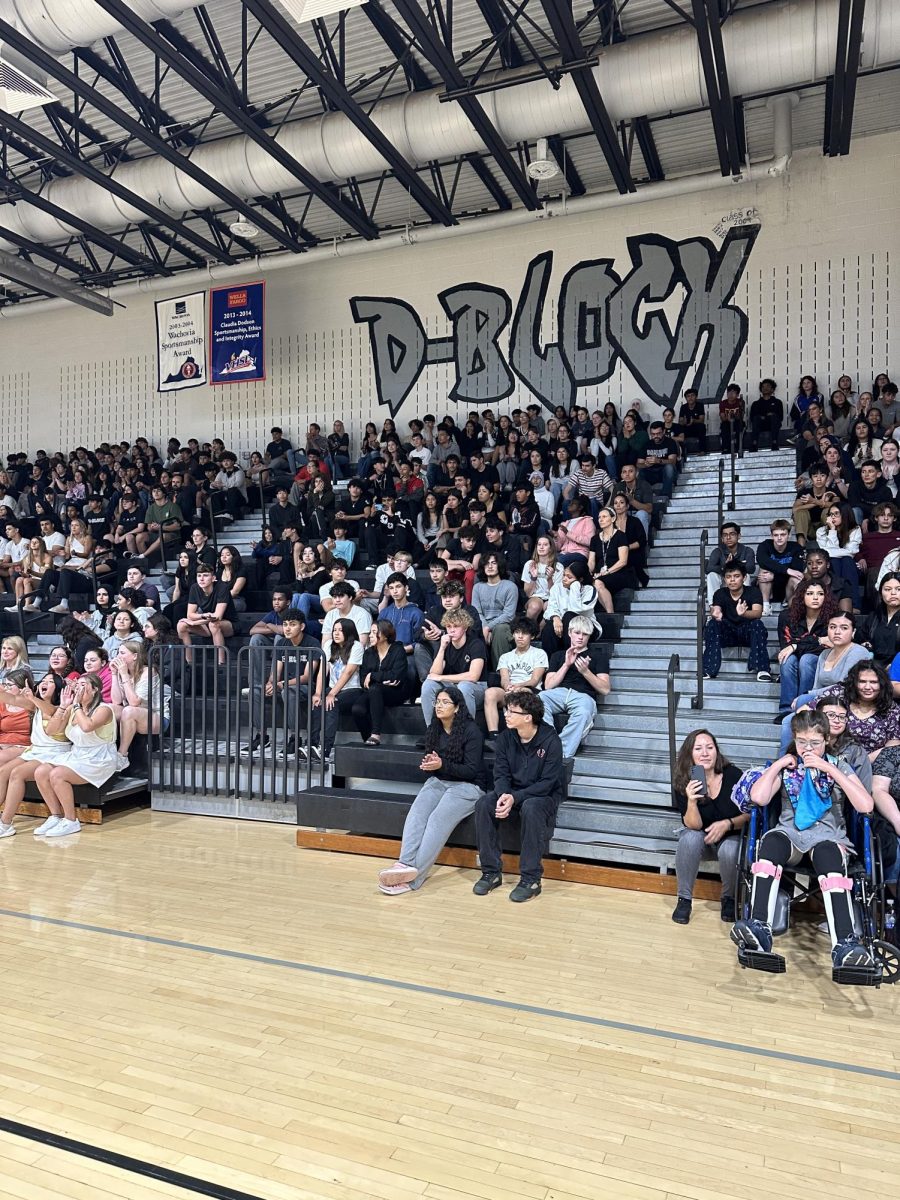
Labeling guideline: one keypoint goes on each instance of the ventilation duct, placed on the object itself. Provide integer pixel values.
(771, 48)
(60, 25)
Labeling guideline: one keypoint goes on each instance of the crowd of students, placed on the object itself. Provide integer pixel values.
(830, 570)
(529, 526)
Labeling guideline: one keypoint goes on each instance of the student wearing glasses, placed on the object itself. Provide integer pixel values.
(529, 785)
(813, 782)
(453, 764)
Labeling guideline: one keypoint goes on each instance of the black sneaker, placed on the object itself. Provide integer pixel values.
(726, 910)
(259, 742)
(487, 883)
(525, 891)
(681, 914)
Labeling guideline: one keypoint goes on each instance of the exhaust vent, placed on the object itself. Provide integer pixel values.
(19, 91)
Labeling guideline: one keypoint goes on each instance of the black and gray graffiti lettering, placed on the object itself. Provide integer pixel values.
(602, 318)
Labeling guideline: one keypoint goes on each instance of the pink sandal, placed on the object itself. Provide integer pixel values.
(396, 889)
(398, 873)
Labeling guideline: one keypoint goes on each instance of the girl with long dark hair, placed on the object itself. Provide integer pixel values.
(337, 686)
(452, 762)
(709, 820)
(802, 636)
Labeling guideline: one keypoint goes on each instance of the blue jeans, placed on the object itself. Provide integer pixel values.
(797, 675)
(339, 465)
(664, 475)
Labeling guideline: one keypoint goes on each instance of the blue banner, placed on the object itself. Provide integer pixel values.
(237, 318)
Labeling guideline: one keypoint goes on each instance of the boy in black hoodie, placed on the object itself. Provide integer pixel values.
(529, 784)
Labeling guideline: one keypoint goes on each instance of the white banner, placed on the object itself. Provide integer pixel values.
(181, 342)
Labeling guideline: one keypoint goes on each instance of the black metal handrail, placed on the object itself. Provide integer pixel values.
(697, 699)
(262, 509)
(212, 524)
(720, 497)
(734, 475)
(672, 699)
(212, 707)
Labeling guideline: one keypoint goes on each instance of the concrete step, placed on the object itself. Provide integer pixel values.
(762, 702)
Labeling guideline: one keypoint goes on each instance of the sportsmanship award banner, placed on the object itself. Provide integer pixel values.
(181, 342)
(237, 318)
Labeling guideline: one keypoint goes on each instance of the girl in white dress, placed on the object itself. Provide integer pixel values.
(90, 725)
(45, 747)
(131, 694)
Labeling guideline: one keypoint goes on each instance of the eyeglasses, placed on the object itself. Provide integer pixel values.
(836, 716)
(442, 700)
(515, 712)
(814, 745)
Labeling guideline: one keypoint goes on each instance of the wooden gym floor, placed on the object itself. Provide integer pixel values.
(200, 995)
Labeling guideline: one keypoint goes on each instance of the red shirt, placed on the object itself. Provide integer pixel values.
(15, 727)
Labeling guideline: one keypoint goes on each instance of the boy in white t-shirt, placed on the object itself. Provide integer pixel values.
(523, 667)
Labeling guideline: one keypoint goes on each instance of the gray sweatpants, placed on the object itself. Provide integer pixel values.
(692, 850)
(436, 811)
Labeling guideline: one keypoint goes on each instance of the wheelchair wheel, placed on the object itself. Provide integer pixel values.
(889, 956)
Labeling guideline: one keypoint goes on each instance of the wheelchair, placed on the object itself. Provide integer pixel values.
(798, 884)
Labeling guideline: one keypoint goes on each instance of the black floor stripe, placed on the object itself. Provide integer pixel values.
(135, 1166)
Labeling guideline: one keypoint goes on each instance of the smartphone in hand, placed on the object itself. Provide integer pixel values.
(698, 775)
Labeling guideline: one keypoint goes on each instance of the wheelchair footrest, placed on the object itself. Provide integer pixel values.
(858, 976)
(758, 960)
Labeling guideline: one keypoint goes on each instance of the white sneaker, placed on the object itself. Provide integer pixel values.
(50, 823)
(7, 830)
(767, 610)
(63, 828)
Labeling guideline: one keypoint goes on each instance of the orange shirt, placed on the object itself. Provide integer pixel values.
(15, 727)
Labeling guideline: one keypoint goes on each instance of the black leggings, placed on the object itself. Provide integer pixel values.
(370, 703)
(827, 859)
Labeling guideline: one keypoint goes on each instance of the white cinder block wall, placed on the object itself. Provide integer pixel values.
(821, 291)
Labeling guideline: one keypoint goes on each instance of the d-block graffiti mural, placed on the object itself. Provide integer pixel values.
(601, 318)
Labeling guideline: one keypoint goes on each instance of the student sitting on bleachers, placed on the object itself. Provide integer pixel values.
(343, 595)
(90, 725)
(524, 666)
(577, 677)
(337, 685)
(384, 674)
(529, 785)
(287, 682)
(453, 763)
(132, 679)
(460, 658)
(405, 617)
(20, 767)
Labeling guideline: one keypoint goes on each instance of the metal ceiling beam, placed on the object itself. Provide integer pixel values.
(488, 182)
(562, 25)
(502, 29)
(17, 192)
(707, 23)
(398, 44)
(118, 74)
(111, 184)
(27, 274)
(557, 147)
(336, 92)
(841, 87)
(221, 99)
(54, 256)
(138, 130)
(444, 63)
(644, 133)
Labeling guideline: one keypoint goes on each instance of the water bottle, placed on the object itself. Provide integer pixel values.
(889, 919)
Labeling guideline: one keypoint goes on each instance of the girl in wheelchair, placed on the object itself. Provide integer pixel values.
(813, 784)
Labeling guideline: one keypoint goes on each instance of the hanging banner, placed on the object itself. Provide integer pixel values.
(237, 317)
(181, 342)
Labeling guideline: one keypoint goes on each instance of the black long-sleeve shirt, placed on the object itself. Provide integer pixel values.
(470, 769)
(530, 769)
